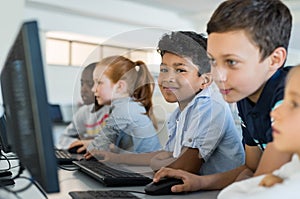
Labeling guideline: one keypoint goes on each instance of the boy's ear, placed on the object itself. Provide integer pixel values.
(278, 57)
(207, 80)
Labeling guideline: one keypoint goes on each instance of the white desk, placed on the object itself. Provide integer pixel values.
(79, 181)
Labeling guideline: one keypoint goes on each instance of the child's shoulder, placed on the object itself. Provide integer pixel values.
(281, 73)
(207, 99)
(276, 82)
(126, 107)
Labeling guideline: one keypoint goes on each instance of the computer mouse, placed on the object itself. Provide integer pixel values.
(74, 149)
(163, 187)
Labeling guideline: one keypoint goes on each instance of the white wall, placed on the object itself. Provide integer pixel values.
(111, 21)
(11, 14)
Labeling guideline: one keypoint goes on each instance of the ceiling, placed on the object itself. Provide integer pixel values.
(199, 11)
(196, 12)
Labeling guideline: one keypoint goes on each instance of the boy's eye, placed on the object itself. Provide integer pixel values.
(212, 62)
(231, 62)
(163, 70)
(294, 104)
(180, 70)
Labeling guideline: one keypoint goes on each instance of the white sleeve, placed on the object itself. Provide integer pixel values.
(242, 189)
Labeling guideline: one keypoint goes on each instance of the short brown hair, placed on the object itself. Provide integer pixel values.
(267, 23)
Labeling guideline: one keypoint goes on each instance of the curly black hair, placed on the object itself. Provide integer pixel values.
(186, 44)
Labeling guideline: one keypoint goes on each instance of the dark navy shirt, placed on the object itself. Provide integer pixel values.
(255, 118)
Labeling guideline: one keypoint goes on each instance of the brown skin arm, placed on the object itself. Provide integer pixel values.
(193, 182)
(256, 162)
(271, 160)
(215, 181)
(188, 155)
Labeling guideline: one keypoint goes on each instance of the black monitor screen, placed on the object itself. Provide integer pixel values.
(4, 143)
(25, 101)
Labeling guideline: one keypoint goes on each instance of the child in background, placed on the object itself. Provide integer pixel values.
(284, 182)
(127, 87)
(202, 134)
(247, 46)
(89, 118)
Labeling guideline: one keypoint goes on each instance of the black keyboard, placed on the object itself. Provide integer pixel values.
(64, 157)
(112, 175)
(113, 194)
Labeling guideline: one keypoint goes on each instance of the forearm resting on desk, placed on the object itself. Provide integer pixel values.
(142, 159)
(247, 173)
(193, 182)
(221, 180)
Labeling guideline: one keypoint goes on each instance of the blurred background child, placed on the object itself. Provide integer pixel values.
(89, 118)
(127, 87)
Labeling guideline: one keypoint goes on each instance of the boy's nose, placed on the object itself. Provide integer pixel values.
(170, 76)
(219, 74)
(171, 79)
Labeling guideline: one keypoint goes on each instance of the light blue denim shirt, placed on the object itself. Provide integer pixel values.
(129, 128)
(207, 124)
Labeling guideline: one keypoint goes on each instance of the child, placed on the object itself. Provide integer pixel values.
(202, 134)
(284, 182)
(127, 87)
(89, 118)
(247, 46)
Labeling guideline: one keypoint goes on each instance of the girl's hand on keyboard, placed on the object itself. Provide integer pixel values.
(102, 156)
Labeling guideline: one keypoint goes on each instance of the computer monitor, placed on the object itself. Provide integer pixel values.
(4, 143)
(26, 108)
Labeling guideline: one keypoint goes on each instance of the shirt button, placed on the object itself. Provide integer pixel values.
(190, 139)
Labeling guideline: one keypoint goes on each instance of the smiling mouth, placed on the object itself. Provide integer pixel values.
(169, 89)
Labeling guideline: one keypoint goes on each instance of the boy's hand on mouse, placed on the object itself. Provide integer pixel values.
(191, 182)
(270, 180)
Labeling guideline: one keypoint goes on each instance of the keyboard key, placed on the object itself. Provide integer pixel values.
(111, 176)
(109, 194)
(64, 157)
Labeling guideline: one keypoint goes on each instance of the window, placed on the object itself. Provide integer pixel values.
(57, 52)
(82, 52)
(78, 53)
